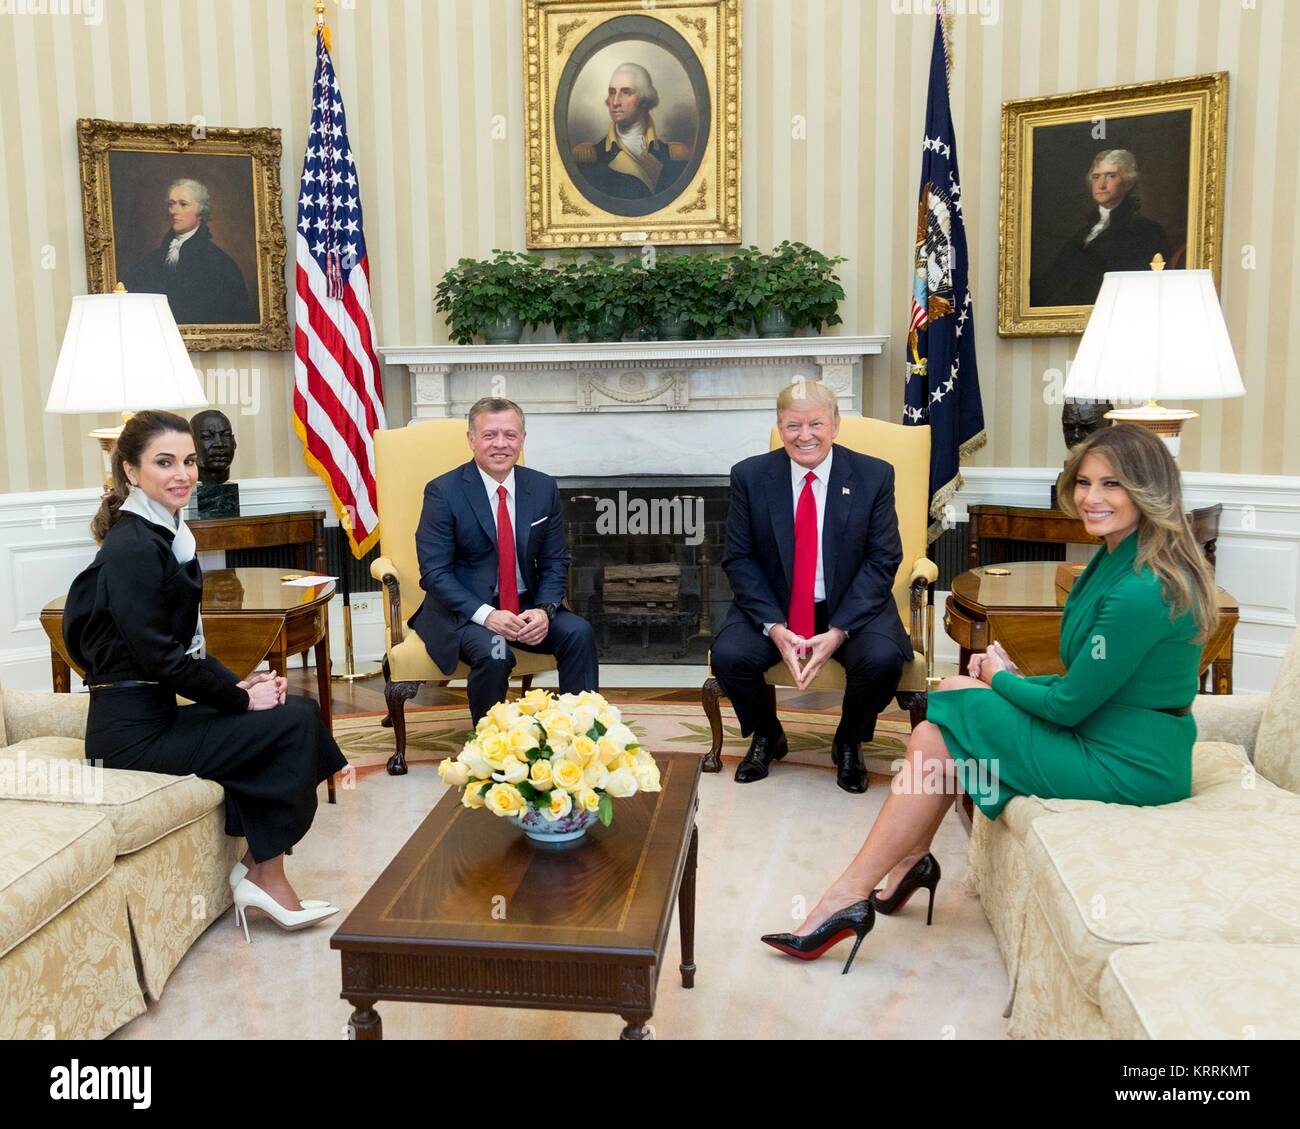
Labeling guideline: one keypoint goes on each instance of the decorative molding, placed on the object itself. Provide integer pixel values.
(764, 350)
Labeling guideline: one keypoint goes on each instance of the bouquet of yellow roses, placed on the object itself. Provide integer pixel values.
(553, 763)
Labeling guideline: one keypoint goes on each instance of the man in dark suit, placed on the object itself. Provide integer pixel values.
(494, 566)
(1116, 236)
(203, 285)
(812, 552)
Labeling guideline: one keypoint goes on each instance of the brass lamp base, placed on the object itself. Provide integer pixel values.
(1167, 423)
(106, 437)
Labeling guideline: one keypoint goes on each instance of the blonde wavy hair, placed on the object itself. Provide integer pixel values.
(1142, 464)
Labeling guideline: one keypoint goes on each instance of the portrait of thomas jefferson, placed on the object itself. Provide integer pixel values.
(631, 162)
(1114, 235)
(203, 284)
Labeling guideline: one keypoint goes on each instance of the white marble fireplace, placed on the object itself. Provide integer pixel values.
(629, 408)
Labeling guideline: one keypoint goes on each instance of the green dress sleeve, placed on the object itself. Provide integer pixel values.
(1130, 621)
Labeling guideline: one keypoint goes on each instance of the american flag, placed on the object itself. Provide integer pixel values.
(338, 398)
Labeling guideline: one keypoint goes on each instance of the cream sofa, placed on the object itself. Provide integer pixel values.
(1181, 921)
(106, 877)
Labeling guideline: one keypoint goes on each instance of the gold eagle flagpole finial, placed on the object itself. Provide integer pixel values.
(321, 26)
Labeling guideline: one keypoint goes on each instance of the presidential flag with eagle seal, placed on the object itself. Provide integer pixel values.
(942, 387)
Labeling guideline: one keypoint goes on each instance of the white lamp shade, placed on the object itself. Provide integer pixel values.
(1156, 335)
(123, 352)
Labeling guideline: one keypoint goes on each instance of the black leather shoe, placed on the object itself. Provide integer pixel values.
(851, 772)
(762, 752)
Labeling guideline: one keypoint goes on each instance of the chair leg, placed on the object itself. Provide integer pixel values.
(914, 701)
(710, 694)
(526, 683)
(397, 694)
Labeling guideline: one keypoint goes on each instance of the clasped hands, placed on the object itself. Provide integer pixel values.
(805, 657)
(985, 664)
(266, 690)
(528, 627)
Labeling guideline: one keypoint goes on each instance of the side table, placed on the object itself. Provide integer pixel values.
(1022, 611)
(1004, 524)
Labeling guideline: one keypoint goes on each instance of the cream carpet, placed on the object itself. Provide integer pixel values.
(762, 846)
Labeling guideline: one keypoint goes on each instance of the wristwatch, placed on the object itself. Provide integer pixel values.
(550, 610)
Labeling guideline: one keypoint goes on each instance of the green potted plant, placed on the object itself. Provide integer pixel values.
(599, 299)
(677, 298)
(752, 290)
(786, 290)
(495, 298)
(811, 290)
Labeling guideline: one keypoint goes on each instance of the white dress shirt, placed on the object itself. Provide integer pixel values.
(174, 251)
(633, 139)
(820, 485)
(1101, 225)
(490, 484)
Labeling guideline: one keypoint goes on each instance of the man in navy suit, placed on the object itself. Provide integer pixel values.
(812, 552)
(480, 601)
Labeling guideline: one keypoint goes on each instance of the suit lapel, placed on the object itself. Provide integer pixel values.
(478, 500)
(839, 500)
(781, 508)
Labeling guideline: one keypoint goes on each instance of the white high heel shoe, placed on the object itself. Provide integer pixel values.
(237, 874)
(248, 894)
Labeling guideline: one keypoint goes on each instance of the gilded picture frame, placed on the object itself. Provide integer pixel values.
(193, 212)
(632, 114)
(1103, 180)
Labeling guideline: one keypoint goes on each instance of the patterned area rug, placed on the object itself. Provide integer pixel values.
(436, 732)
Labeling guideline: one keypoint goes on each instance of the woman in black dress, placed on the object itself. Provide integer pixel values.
(132, 622)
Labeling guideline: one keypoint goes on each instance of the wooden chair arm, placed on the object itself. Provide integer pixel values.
(383, 570)
(924, 573)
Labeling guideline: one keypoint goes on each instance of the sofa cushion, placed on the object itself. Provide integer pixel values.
(38, 713)
(49, 856)
(142, 806)
(1215, 764)
(62, 748)
(1277, 743)
(1181, 990)
(1115, 876)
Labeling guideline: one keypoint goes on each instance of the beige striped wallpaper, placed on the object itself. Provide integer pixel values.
(423, 82)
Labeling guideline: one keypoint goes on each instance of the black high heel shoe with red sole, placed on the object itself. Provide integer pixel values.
(853, 920)
(923, 874)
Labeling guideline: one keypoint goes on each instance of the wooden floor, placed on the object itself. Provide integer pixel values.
(368, 696)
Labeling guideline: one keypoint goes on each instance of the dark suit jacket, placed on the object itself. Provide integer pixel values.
(1130, 242)
(457, 546)
(205, 287)
(861, 549)
(131, 614)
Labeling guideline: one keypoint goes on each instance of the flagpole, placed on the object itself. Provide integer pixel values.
(352, 670)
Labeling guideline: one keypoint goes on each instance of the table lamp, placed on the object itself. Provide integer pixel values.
(1155, 335)
(122, 353)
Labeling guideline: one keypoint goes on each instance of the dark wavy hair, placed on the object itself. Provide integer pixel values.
(140, 430)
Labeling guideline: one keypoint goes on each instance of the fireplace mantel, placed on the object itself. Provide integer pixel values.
(628, 407)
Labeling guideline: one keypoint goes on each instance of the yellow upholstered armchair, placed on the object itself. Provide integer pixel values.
(908, 449)
(406, 459)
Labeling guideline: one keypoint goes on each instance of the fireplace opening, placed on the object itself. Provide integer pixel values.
(646, 564)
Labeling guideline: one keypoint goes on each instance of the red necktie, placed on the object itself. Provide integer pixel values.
(801, 620)
(507, 589)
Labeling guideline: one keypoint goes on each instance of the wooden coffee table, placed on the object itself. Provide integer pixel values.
(473, 912)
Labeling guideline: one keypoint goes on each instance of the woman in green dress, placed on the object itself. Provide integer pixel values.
(1116, 727)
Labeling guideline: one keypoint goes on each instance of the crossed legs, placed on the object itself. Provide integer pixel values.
(907, 823)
